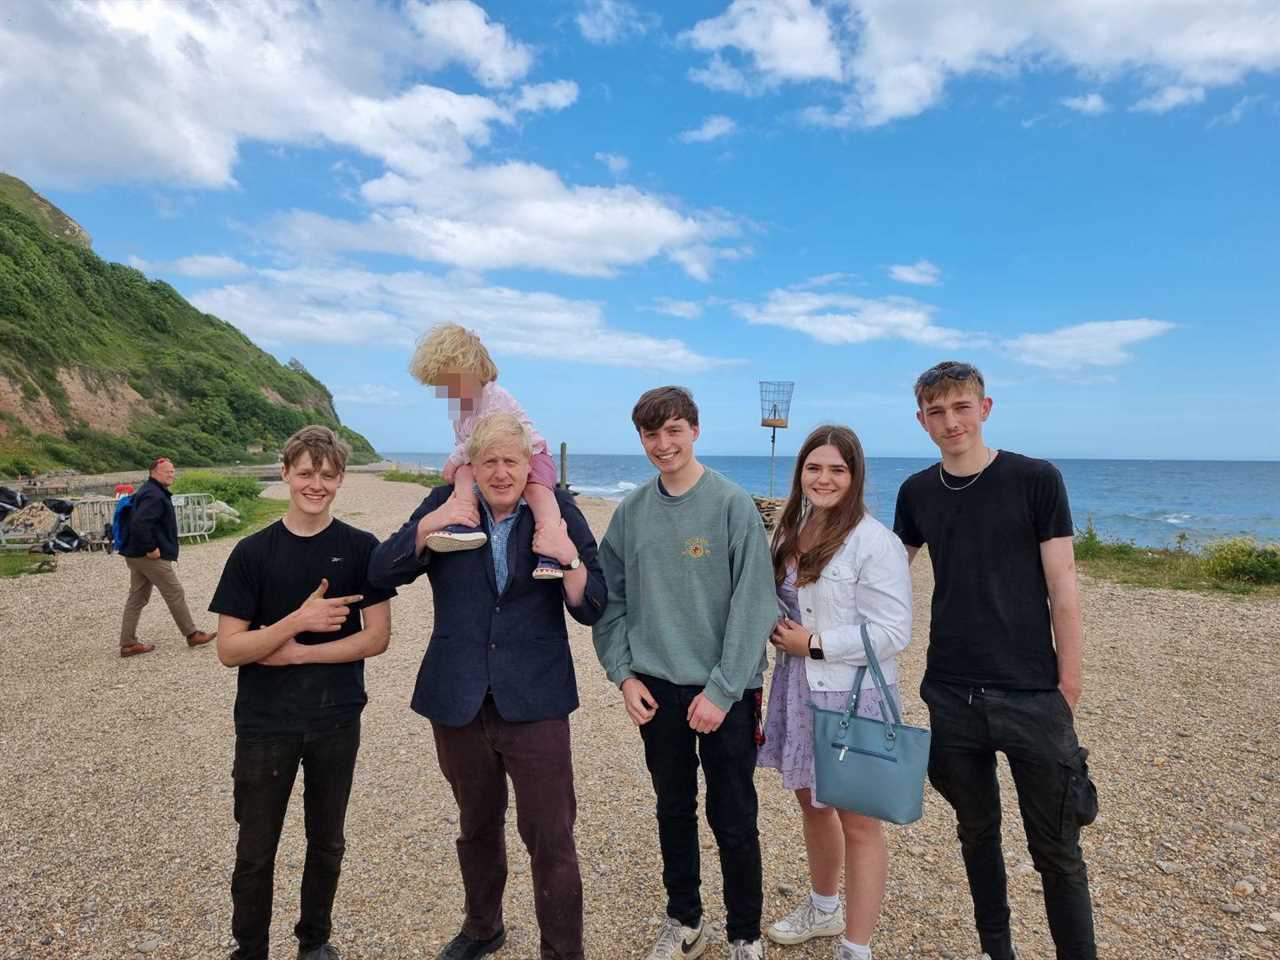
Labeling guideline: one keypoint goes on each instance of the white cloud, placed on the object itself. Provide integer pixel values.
(922, 273)
(895, 58)
(607, 22)
(123, 91)
(719, 74)
(842, 318)
(458, 31)
(556, 95)
(371, 394)
(1169, 98)
(713, 128)
(783, 40)
(201, 265)
(1237, 111)
(685, 309)
(516, 215)
(616, 162)
(157, 91)
(357, 307)
(1090, 104)
(1100, 343)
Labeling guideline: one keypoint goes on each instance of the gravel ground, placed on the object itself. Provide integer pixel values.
(116, 834)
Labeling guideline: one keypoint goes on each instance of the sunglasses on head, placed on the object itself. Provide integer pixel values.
(961, 371)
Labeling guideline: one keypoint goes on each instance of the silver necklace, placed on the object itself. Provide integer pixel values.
(990, 456)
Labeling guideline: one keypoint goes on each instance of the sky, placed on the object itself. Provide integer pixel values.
(1079, 196)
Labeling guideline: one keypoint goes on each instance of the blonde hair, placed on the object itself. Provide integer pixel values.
(495, 428)
(449, 348)
(321, 443)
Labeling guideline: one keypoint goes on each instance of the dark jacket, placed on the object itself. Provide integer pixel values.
(152, 523)
(514, 644)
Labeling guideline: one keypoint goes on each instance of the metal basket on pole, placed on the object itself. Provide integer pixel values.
(775, 408)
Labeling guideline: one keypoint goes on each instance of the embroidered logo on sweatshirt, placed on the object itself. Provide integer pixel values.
(696, 548)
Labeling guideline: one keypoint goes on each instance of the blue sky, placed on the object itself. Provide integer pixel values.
(1081, 198)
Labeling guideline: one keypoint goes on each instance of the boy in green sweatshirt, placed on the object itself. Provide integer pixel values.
(691, 604)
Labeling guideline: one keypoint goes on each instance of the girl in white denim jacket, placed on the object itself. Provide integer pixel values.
(836, 567)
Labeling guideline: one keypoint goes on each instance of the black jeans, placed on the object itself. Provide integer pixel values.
(265, 768)
(1034, 730)
(672, 751)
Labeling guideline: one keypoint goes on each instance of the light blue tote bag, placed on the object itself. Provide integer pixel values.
(872, 767)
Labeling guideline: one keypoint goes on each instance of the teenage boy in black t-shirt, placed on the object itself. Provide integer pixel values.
(291, 603)
(1004, 660)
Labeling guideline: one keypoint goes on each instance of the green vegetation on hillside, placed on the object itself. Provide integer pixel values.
(414, 476)
(1238, 565)
(242, 494)
(25, 200)
(210, 392)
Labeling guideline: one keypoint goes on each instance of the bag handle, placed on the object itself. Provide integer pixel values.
(888, 708)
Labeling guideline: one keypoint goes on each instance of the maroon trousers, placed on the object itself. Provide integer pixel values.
(476, 760)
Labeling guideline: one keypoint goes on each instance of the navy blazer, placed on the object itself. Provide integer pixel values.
(514, 643)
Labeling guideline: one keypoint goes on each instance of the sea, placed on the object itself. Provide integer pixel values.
(1150, 503)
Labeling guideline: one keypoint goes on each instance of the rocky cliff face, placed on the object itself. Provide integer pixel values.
(103, 369)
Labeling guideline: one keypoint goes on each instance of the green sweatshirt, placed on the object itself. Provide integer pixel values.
(691, 594)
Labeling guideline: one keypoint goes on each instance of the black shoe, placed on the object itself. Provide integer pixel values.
(326, 951)
(463, 947)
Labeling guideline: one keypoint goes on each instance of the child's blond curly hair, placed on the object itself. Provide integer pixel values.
(450, 348)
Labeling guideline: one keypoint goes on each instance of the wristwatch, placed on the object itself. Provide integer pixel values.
(573, 564)
(815, 648)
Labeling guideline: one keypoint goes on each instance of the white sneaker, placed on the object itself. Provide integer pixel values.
(806, 922)
(678, 942)
(844, 953)
(742, 950)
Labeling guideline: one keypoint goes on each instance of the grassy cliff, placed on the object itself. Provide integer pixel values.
(103, 369)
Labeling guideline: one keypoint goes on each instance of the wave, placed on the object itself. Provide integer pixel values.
(616, 491)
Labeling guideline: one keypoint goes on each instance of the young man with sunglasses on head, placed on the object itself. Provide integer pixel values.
(1004, 660)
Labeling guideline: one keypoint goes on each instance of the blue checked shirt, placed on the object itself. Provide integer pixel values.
(499, 534)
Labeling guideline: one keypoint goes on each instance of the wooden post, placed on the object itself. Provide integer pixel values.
(564, 465)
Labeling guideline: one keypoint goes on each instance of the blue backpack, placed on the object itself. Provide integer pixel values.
(120, 522)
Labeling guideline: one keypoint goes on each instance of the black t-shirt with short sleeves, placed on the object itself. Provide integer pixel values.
(267, 577)
(990, 624)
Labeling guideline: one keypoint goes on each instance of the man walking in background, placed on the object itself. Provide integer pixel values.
(1004, 663)
(150, 549)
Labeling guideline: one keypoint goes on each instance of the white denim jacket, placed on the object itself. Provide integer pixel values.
(867, 581)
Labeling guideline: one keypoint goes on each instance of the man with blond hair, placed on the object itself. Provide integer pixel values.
(150, 550)
(297, 615)
(1004, 664)
(497, 682)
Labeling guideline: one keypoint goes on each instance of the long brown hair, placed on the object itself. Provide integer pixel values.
(842, 518)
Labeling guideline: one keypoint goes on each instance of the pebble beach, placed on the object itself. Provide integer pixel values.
(117, 838)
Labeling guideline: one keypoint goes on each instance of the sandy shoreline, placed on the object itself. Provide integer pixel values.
(116, 834)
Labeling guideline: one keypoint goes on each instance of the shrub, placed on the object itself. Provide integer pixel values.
(1090, 546)
(1242, 559)
(413, 476)
(229, 489)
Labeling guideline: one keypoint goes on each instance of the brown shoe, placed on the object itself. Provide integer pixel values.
(200, 637)
(133, 649)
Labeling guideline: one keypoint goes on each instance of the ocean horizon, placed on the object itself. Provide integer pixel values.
(1151, 503)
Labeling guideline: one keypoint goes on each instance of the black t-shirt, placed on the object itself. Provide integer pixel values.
(268, 576)
(990, 623)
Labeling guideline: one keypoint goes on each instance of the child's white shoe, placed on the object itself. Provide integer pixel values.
(456, 537)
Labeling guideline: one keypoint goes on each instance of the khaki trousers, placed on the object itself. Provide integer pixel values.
(145, 573)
